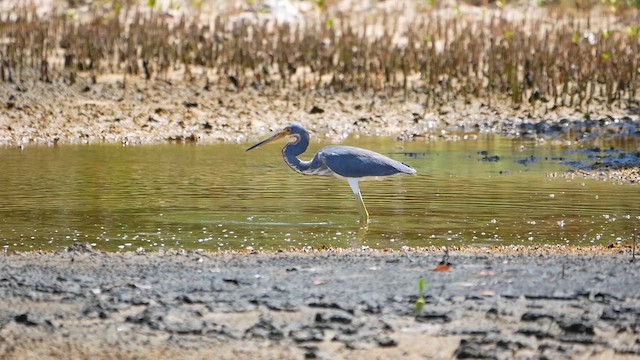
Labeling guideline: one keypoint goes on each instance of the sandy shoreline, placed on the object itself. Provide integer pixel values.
(496, 303)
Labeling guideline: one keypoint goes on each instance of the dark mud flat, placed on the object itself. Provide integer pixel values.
(328, 305)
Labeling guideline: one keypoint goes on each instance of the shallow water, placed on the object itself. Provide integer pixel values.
(221, 197)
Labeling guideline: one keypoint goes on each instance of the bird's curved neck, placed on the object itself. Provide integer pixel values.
(291, 152)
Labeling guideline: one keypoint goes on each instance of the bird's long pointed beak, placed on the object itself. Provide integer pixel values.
(275, 137)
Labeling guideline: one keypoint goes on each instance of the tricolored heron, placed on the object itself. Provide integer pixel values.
(344, 162)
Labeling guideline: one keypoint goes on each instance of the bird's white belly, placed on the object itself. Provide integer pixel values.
(364, 178)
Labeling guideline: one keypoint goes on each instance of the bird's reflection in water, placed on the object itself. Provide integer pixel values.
(359, 237)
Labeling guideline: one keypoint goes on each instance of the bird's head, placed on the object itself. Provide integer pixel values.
(296, 131)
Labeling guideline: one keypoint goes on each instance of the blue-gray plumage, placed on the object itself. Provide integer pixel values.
(347, 162)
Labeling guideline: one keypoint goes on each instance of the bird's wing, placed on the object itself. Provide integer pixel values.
(317, 166)
(352, 162)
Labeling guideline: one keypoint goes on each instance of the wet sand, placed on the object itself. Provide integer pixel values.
(505, 303)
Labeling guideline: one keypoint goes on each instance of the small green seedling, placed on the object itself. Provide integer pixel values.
(420, 301)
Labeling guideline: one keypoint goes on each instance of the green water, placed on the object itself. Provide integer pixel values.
(219, 197)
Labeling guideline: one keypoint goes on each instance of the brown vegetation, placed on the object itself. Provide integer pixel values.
(439, 54)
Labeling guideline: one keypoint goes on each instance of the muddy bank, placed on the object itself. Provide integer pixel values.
(328, 304)
(156, 111)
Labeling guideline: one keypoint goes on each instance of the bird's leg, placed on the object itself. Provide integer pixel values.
(364, 214)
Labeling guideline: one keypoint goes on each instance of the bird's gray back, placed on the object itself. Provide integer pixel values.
(347, 161)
